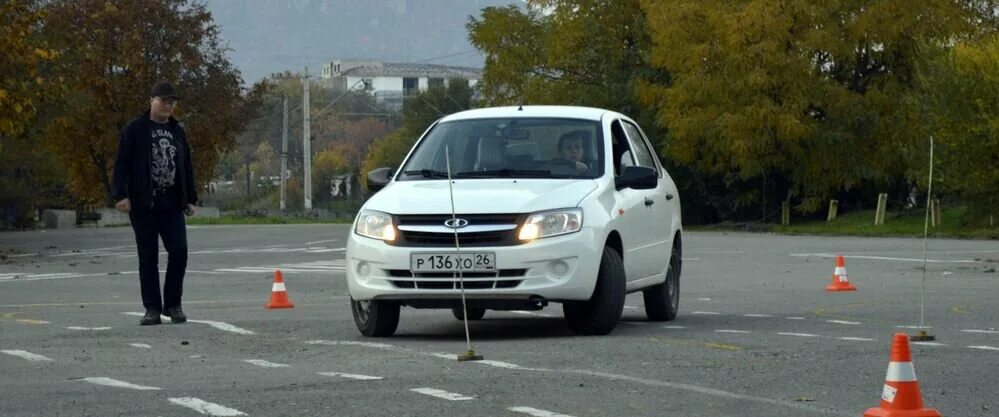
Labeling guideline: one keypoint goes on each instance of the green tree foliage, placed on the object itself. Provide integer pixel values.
(23, 84)
(962, 104)
(805, 99)
(114, 52)
(574, 52)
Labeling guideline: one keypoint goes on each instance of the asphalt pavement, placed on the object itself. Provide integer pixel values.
(757, 334)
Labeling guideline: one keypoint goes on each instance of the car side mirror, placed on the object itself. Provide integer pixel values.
(378, 178)
(637, 177)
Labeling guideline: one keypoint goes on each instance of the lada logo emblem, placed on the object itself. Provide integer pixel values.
(456, 223)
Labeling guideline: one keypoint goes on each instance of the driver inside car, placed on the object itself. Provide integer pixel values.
(570, 160)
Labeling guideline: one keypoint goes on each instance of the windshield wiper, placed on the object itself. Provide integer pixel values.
(505, 172)
(427, 173)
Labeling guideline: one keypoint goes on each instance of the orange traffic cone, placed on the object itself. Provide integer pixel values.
(839, 280)
(279, 295)
(901, 397)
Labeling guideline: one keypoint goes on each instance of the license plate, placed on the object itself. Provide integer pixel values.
(453, 262)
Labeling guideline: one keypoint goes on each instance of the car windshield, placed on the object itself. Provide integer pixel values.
(509, 148)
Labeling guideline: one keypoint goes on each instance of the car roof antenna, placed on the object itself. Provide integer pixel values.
(469, 354)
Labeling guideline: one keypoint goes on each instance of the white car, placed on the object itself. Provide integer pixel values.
(545, 204)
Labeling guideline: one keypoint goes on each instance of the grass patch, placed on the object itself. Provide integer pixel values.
(230, 220)
(861, 223)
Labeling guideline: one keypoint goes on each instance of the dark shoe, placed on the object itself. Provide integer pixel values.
(152, 317)
(176, 314)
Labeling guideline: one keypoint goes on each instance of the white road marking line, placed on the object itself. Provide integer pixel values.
(633, 307)
(674, 327)
(226, 327)
(350, 343)
(108, 382)
(732, 331)
(206, 408)
(856, 339)
(980, 331)
(87, 328)
(531, 313)
(23, 354)
(22, 255)
(351, 376)
(140, 345)
(31, 321)
(929, 344)
(635, 323)
(498, 364)
(703, 299)
(321, 241)
(757, 315)
(798, 334)
(913, 327)
(448, 356)
(327, 250)
(536, 412)
(984, 348)
(852, 323)
(885, 258)
(450, 396)
(706, 313)
(795, 318)
(265, 364)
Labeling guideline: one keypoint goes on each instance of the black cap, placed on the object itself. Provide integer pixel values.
(164, 89)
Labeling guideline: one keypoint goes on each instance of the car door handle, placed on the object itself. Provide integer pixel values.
(649, 202)
(669, 197)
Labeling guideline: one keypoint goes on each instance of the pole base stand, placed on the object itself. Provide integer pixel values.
(469, 356)
(923, 336)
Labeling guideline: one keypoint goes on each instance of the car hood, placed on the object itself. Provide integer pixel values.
(485, 196)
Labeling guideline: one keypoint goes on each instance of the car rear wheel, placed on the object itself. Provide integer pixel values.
(599, 314)
(375, 318)
(662, 302)
(473, 313)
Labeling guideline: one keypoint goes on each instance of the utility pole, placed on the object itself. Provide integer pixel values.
(284, 153)
(307, 143)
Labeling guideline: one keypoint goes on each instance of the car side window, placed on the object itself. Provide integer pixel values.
(623, 156)
(642, 152)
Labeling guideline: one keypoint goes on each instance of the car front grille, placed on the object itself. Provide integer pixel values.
(413, 238)
(502, 279)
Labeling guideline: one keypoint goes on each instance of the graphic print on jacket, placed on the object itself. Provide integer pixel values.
(164, 160)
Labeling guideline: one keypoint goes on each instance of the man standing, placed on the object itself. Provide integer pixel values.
(154, 184)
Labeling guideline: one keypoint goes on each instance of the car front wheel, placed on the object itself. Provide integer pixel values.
(662, 302)
(375, 318)
(599, 314)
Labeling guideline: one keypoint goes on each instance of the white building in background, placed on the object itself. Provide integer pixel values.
(389, 82)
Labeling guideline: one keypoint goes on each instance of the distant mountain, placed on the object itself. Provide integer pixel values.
(269, 36)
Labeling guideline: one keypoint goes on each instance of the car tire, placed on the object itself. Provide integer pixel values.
(600, 314)
(662, 302)
(375, 318)
(473, 313)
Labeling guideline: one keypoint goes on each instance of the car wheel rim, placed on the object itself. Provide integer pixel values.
(672, 280)
(363, 309)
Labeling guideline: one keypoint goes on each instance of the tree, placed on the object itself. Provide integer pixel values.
(792, 99)
(114, 52)
(575, 52)
(961, 92)
(23, 82)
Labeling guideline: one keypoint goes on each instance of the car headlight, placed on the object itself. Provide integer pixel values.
(376, 225)
(551, 223)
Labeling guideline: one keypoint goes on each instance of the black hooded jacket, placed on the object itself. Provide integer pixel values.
(132, 166)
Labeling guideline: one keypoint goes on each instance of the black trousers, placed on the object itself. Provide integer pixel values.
(149, 226)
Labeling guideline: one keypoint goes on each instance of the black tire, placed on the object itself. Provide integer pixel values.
(600, 314)
(473, 313)
(375, 318)
(662, 302)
